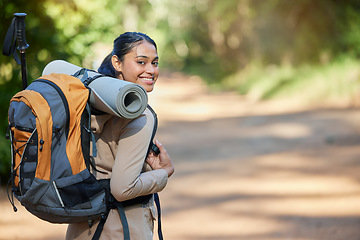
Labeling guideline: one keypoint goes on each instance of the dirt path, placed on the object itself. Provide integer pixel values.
(268, 171)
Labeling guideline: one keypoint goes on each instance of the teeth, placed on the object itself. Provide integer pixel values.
(148, 79)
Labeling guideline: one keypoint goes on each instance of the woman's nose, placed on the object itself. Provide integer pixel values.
(150, 69)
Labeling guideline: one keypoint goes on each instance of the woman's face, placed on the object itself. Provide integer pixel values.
(139, 66)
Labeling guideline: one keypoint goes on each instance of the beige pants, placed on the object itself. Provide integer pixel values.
(140, 219)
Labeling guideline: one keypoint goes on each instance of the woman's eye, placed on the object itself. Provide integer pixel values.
(141, 62)
(156, 63)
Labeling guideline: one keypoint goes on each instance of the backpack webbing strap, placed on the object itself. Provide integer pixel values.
(85, 79)
(123, 219)
(100, 227)
(94, 149)
(157, 203)
(120, 206)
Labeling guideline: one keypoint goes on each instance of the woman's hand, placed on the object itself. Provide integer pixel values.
(160, 161)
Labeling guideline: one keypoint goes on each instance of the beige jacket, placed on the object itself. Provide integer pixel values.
(121, 151)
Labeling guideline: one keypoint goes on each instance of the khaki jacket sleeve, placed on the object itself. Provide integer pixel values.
(127, 180)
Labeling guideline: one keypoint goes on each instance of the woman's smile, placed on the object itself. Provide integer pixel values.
(147, 80)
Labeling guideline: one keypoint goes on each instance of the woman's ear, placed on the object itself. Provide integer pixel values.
(116, 63)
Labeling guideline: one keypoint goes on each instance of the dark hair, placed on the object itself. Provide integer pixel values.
(123, 45)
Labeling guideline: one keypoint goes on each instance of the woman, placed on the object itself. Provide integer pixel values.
(123, 144)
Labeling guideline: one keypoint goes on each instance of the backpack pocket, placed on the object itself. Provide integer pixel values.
(78, 189)
(59, 201)
(24, 150)
(30, 122)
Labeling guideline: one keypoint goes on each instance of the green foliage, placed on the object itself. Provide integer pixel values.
(265, 49)
(348, 38)
(338, 80)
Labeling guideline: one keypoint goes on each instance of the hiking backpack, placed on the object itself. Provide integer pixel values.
(49, 130)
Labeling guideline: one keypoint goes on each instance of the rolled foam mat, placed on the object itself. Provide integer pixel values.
(108, 94)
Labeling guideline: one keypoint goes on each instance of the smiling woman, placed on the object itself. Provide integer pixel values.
(124, 148)
(139, 66)
(134, 58)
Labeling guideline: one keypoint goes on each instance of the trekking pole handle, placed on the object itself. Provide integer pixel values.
(20, 31)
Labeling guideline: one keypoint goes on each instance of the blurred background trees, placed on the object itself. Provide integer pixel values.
(262, 49)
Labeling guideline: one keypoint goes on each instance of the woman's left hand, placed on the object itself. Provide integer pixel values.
(160, 161)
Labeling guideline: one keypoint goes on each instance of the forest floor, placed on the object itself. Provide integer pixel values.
(248, 170)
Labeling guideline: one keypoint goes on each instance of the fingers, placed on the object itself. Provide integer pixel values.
(153, 161)
(160, 146)
(165, 160)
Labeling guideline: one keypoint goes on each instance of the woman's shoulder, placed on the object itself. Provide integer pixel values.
(145, 119)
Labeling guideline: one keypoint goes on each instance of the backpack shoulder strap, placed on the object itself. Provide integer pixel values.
(152, 146)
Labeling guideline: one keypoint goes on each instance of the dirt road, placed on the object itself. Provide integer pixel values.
(252, 171)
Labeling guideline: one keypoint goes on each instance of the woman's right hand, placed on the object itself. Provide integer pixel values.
(160, 161)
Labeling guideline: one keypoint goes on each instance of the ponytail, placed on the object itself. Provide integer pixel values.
(107, 68)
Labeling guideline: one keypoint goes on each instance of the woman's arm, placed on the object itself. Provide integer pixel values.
(127, 180)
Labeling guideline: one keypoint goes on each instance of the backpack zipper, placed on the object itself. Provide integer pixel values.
(58, 195)
(63, 98)
(24, 129)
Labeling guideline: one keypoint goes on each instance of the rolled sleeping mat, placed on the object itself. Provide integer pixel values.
(111, 95)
